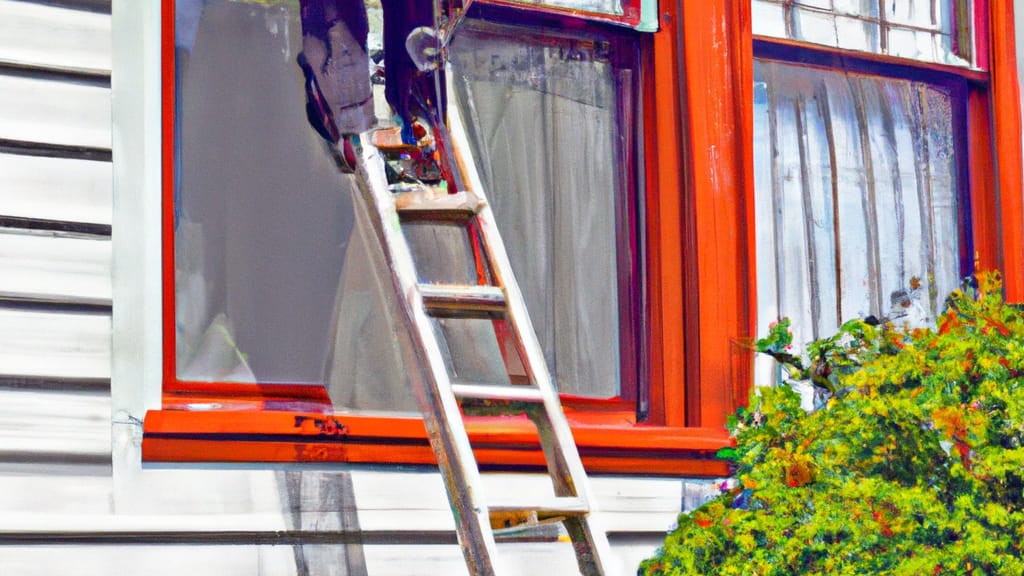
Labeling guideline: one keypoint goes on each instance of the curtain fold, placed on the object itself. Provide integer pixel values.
(542, 118)
(856, 198)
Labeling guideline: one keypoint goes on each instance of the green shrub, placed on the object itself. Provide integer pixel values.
(913, 466)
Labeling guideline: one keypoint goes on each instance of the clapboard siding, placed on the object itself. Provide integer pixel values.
(56, 269)
(49, 36)
(280, 560)
(54, 112)
(55, 189)
(44, 426)
(44, 495)
(262, 561)
(107, 560)
(54, 345)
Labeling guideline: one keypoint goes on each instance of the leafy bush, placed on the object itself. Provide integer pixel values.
(913, 466)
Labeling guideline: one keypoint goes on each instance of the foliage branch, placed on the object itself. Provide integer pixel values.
(913, 466)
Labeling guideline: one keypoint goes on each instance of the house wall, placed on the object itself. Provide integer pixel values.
(81, 358)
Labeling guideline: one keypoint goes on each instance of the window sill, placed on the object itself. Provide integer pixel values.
(607, 441)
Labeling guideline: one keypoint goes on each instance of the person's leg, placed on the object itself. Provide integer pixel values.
(336, 67)
(404, 83)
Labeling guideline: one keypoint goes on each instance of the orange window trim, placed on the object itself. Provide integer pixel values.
(504, 443)
(243, 423)
(717, 96)
(1006, 123)
(630, 16)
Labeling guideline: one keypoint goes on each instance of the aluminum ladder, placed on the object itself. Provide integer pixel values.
(496, 297)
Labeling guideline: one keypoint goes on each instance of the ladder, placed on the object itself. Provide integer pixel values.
(494, 296)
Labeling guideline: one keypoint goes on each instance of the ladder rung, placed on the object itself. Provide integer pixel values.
(558, 506)
(497, 392)
(434, 204)
(454, 297)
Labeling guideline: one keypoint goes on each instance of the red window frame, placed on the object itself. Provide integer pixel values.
(697, 84)
(631, 11)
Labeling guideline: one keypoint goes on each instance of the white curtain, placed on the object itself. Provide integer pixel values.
(857, 198)
(542, 120)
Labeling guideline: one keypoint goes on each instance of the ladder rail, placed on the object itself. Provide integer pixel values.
(461, 477)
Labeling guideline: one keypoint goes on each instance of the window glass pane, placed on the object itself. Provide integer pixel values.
(543, 122)
(914, 44)
(823, 4)
(856, 198)
(278, 274)
(855, 34)
(918, 13)
(865, 8)
(915, 29)
(768, 19)
(447, 252)
(814, 26)
(479, 351)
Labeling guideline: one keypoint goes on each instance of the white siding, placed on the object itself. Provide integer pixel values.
(55, 188)
(54, 345)
(42, 426)
(54, 112)
(50, 36)
(54, 268)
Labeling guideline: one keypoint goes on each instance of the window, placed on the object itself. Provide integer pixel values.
(924, 30)
(279, 283)
(284, 321)
(862, 185)
(269, 234)
(859, 189)
(639, 14)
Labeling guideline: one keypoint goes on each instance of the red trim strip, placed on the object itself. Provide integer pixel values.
(500, 442)
(630, 17)
(168, 98)
(718, 92)
(984, 208)
(1007, 124)
(981, 35)
(665, 169)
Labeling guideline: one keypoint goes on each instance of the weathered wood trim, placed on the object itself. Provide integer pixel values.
(1007, 125)
(717, 80)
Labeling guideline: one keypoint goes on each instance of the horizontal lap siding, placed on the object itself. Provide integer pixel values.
(54, 345)
(44, 427)
(55, 257)
(51, 36)
(52, 189)
(57, 112)
(46, 268)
